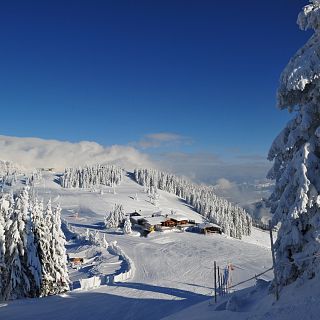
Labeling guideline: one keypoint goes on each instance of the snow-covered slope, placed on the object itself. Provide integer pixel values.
(173, 270)
(297, 301)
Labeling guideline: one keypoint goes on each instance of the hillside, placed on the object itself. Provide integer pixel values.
(172, 270)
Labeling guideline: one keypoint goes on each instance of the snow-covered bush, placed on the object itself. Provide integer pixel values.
(115, 218)
(127, 226)
(32, 252)
(105, 243)
(295, 154)
(234, 220)
(34, 178)
(91, 176)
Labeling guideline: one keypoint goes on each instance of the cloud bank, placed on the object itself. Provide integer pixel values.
(161, 139)
(38, 153)
(206, 168)
(209, 167)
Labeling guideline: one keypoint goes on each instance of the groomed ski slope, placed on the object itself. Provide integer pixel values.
(173, 271)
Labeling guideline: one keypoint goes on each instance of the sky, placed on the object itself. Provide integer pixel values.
(189, 83)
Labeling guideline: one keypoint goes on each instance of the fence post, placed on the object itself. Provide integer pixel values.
(219, 282)
(215, 282)
(274, 262)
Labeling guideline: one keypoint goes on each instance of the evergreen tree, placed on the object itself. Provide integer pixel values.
(295, 152)
(127, 226)
(105, 242)
(115, 218)
(59, 256)
(43, 242)
(32, 248)
(4, 204)
(31, 258)
(17, 282)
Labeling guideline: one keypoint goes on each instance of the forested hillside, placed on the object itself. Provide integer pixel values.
(234, 220)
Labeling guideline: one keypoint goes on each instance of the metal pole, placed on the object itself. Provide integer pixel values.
(219, 282)
(274, 262)
(215, 282)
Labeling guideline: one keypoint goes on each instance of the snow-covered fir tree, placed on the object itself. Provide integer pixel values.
(43, 243)
(4, 205)
(127, 225)
(96, 238)
(295, 201)
(115, 218)
(105, 243)
(32, 248)
(17, 282)
(31, 258)
(234, 220)
(87, 235)
(91, 176)
(58, 241)
(34, 178)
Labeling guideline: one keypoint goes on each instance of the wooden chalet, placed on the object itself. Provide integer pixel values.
(153, 223)
(168, 223)
(76, 261)
(179, 219)
(136, 218)
(207, 228)
(174, 220)
(135, 214)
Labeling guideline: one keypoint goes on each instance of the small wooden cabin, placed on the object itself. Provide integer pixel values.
(135, 214)
(153, 223)
(168, 223)
(76, 260)
(173, 220)
(135, 218)
(207, 228)
(180, 221)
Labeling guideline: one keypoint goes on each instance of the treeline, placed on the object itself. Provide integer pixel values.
(91, 176)
(234, 220)
(33, 261)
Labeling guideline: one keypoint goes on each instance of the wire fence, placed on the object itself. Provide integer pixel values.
(225, 290)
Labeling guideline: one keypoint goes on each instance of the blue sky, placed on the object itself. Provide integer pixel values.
(118, 72)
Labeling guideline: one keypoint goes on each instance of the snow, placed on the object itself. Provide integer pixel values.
(295, 303)
(173, 270)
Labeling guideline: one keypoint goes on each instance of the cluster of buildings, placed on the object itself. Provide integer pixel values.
(162, 222)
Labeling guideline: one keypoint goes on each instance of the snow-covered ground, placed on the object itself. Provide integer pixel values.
(297, 301)
(173, 271)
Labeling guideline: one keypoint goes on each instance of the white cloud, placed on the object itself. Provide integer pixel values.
(224, 184)
(35, 153)
(200, 167)
(156, 140)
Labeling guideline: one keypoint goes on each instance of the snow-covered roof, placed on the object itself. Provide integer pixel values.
(208, 225)
(155, 220)
(177, 217)
(73, 255)
(146, 213)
